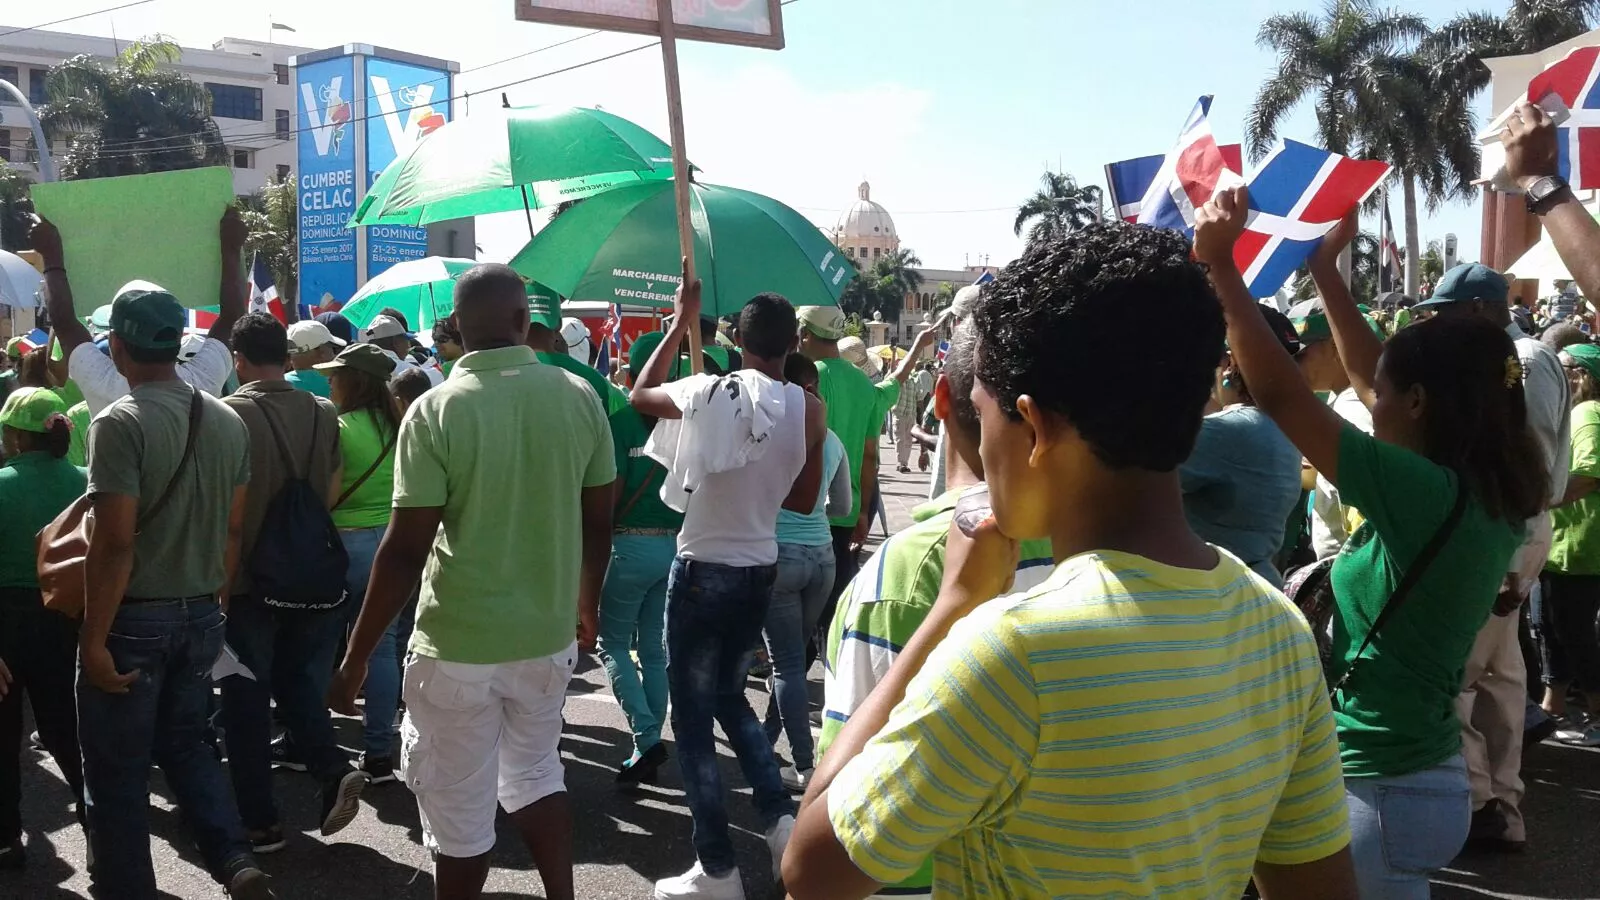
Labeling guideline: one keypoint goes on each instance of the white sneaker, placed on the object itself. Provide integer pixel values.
(796, 780)
(1579, 732)
(778, 839)
(695, 883)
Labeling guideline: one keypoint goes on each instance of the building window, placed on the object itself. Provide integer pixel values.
(283, 172)
(232, 101)
(863, 253)
(9, 73)
(877, 252)
(5, 144)
(850, 252)
(282, 71)
(36, 79)
(280, 119)
(241, 159)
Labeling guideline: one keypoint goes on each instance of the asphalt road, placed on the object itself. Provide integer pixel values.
(625, 840)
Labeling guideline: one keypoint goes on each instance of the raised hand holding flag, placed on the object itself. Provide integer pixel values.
(1189, 175)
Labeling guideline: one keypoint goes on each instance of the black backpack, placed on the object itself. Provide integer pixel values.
(299, 561)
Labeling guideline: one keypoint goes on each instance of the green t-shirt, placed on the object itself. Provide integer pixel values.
(855, 413)
(504, 448)
(310, 381)
(363, 436)
(612, 399)
(135, 445)
(34, 489)
(70, 393)
(641, 476)
(1397, 715)
(1575, 543)
(78, 451)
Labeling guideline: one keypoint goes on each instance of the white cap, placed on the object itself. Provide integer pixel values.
(961, 304)
(305, 337)
(576, 334)
(383, 327)
(190, 348)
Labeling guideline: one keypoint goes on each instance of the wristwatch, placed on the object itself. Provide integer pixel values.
(1542, 190)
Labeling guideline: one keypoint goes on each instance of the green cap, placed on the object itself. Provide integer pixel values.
(1584, 355)
(148, 317)
(1472, 281)
(100, 319)
(544, 306)
(1314, 329)
(368, 358)
(14, 348)
(30, 409)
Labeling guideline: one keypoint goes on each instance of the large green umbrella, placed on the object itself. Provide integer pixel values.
(622, 247)
(423, 290)
(511, 159)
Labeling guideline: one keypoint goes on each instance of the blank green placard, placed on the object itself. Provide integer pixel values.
(161, 227)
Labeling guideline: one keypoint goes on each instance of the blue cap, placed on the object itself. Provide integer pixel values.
(339, 326)
(1467, 283)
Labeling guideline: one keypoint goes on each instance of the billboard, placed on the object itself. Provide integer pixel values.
(404, 102)
(753, 23)
(328, 188)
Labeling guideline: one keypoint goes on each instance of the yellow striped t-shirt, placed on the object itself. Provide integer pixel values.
(1125, 729)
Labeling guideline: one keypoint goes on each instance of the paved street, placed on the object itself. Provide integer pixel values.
(625, 840)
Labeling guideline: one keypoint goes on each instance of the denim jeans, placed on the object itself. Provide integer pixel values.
(382, 688)
(1405, 828)
(173, 644)
(845, 565)
(805, 576)
(291, 654)
(714, 618)
(633, 613)
(40, 647)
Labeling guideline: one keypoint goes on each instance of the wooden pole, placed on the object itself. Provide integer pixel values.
(680, 162)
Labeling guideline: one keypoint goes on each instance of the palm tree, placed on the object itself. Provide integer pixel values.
(16, 209)
(1364, 267)
(884, 287)
(1527, 27)
(137, 116)
(1059, 207)
(271, 218)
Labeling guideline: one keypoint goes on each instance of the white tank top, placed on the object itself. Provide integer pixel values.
(732, 518)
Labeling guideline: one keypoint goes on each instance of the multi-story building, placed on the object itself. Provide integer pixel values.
(252, 97)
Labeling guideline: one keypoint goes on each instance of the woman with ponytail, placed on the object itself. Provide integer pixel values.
(38, 647)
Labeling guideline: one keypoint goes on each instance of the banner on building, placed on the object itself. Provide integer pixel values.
(327, 181)
(404, 103)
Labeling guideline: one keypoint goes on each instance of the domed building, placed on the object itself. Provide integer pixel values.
(866, 230)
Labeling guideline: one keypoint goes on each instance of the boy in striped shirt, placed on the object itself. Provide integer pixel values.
(1152, 719)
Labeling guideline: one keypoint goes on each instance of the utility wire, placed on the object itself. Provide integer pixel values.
(98, 12)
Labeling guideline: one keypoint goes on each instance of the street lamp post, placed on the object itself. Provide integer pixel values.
(47, 165)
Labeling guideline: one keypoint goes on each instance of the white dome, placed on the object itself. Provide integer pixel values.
(865, 219)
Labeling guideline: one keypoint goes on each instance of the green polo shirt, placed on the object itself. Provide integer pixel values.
(611, 397)
(34, 489)
(505, 447)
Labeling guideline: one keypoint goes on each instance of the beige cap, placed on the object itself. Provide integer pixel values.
(826, 322)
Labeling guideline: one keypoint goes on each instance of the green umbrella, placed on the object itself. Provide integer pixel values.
(511, 159)
(423, 290)
(622, 247)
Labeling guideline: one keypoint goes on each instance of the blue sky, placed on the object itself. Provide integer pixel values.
(951, 109)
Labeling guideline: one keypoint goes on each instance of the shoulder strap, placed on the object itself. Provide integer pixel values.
(283, 445)
(1413, 574)
(638, 492)
(382, 455)
(196, 405)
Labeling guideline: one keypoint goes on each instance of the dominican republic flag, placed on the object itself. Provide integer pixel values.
(983, 279)
(1129, 180)
(610, 340)
(1188, 176)
(1297, 195)
(264, 292)
(1569, 91)
(939, 354)
(1389, 267)
(34, 339)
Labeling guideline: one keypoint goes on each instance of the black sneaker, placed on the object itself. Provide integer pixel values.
(12, 856)
(643, 768)
(341, 800)
(285, 756)
(250, 883)
(267, 840)
(1488, 832)
(379, 769)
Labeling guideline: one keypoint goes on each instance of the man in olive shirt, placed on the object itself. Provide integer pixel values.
(167, 476)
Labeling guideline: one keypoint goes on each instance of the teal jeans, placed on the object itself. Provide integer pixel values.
(633, 615)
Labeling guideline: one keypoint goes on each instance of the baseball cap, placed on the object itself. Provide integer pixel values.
(1585, 355)
(383, 327)
(305, 337)
(146, 316)
(1314, 329)
(854, 351)
(15, 348)
(100, 319)
(338, 326)
(1470, 281)
(1282, 329)
(190, 348)
(544, 306)
(362, 358)
(961, 305)
(826, 322)
(576, 334)
(30, 409)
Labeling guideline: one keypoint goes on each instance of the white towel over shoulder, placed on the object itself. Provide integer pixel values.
(726, 422)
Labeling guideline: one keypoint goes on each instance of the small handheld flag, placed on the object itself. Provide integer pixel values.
(1189, 175)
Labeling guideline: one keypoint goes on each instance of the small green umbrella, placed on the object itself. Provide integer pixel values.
(423, 290)
(511, 159)
(622, 247)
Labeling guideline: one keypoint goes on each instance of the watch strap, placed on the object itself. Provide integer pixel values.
(1540, 192)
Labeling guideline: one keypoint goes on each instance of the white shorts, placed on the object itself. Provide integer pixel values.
(474, 735)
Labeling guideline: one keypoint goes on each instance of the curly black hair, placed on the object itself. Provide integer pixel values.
(261, 339)
(1116, 329)
(768, 325)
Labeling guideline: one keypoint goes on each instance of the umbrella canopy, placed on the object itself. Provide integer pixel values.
(622, 247)
(20, 282)
(502, 160)
(423, 290)
(888, 352)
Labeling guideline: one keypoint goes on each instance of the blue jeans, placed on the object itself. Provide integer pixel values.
(633, 613)
(173, 644)
(1403, 829)
(800, 591)
(382, 687)
(291, 654)
(714, 618)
